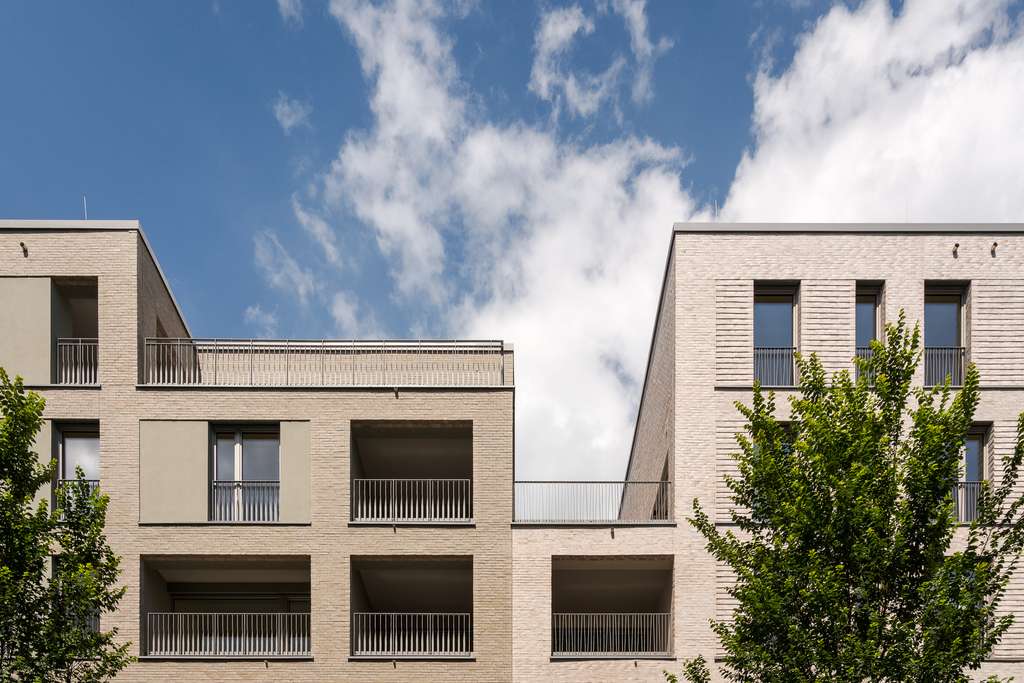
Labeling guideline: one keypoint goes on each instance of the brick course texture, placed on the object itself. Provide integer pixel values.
(701, 362)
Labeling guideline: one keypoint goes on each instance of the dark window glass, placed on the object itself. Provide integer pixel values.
(773, 321)
(974, 450)
(259, 457)
(867, 318)
(942, 321)
(225, 457)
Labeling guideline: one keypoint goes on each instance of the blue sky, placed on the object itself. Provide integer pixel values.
(308, 169)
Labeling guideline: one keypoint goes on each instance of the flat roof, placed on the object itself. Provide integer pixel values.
(98, 225)
(860, 228)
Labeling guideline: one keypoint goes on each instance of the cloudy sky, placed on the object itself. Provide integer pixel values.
(510, 170)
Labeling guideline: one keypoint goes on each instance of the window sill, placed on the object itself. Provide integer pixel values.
(412, 658)
(226, 658)
(227, 524)
(597, 656)
(388, 525)
(592, 525)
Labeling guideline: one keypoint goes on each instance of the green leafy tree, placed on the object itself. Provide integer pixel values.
(844, 521)
(49, 612)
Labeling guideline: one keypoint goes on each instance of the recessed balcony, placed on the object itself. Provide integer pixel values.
(226, 607)
(412, 608)
(74, 314)
(611, 607)
(412, 473)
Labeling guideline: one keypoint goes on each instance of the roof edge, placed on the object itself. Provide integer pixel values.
(100, 225)
(858, 228)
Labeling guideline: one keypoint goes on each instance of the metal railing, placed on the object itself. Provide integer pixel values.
(228, 634)
(775, 366)
(611, 634)
(91, 486)
(245, 501)
(412, 634)
(255, 362)
(77, 360)
(863, 353)
(412, 500)
(593, 502)
(941, 362)
(965, 500)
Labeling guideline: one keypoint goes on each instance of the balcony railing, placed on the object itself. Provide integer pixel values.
(227, 634)
(91, 486)
(941, 362)
(863, 353)
(412, 634)
(234, 362)
(245, 501)
(593, 502)
(965, 500)
(775, 366)
(412, 500)
(77, 360)
(638, 634)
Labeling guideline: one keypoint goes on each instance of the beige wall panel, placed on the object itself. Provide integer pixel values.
(26, 343)
(734, 332)
(173, 471)
(295, 492)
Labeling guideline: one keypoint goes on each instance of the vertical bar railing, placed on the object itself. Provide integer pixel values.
(593, 502)
(228, 634)
(941, 362)
(245, 501)
(611, 634)
(77, 360)
(864, 353)
(775, 366)
(412, 634)
(965, 500)
(412, 500)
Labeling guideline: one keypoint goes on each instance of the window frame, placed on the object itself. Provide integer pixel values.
(80, 430)
(238, 434)
(948, 294)
(778, 293)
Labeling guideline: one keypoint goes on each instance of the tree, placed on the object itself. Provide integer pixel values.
(844, 520)
(49, 627)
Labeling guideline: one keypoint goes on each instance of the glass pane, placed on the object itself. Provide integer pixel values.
(81, 450)
(942, 321)
(973, 453)
(773, 322)
(259, 457)
(866, 321)
(225, 458)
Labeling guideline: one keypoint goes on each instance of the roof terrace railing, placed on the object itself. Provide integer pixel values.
(593, 502)
(324, 363)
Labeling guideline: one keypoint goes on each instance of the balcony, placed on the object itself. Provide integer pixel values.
(611, 607)
(593, 502)
(865, 354)
(271, 363)
(965, 500)
(942, 362)
(412, 472)
(228, 634)
(77, 360)
(775, 366)
(245, 501)
(412, 608)
(251, 607)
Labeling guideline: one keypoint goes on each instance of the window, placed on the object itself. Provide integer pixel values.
(79, 448)
(245, 484)
(973, 463)
(943, 335)
(967, 489)
(774, 326)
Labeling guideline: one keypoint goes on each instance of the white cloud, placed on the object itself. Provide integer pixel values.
(291, 11)
(917, 116)
(264, 322)
(280, 269)
(351, 319)
(553, 79)
(291, 113)
(318, 229)
(563, 244)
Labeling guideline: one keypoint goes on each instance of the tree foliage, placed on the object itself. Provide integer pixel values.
(49, 610)
(844, 527)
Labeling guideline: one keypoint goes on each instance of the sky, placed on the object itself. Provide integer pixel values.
(472, 169)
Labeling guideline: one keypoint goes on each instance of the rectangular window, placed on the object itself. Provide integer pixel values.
(774, 334)
(79, 449)
(944, 354)
(973, 465)
(245, 473)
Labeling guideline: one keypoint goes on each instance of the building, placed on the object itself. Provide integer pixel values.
(326, 510)
(285, 511)
(609, 580)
